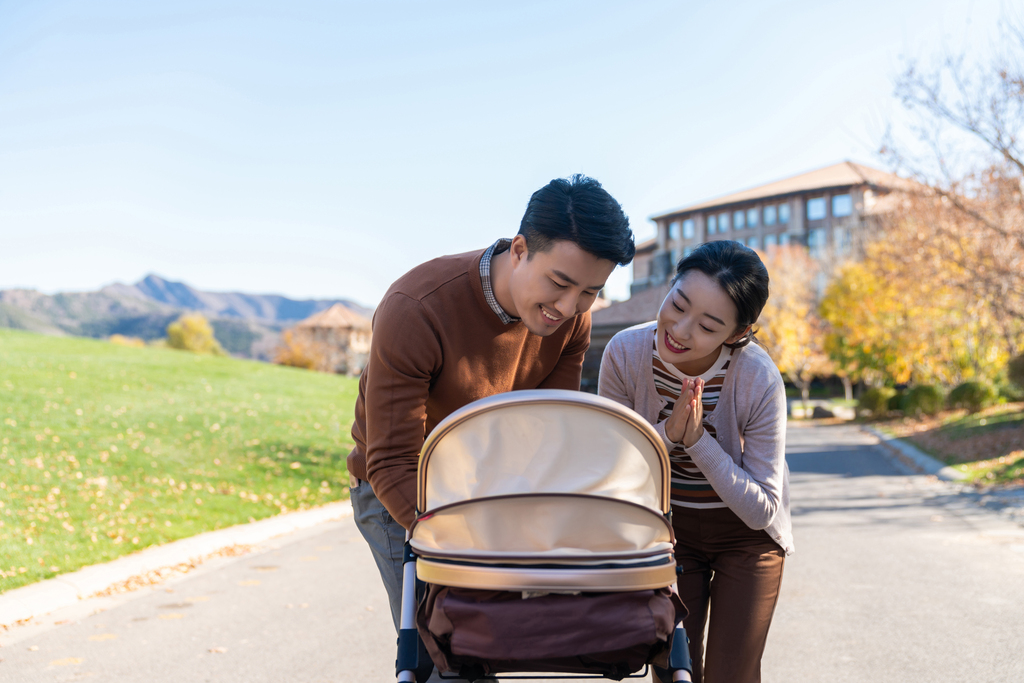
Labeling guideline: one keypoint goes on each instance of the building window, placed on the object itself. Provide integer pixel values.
(842, 205)
(723, 222)
(737, 220)
(783, 239)
(751, 218)
(843, 239)
(673, 230)
(688, 230)
(783, 213)
(816, 241)
(769, 215)
(770, 241)
(753, 243)
(712, 225)
(816, 209)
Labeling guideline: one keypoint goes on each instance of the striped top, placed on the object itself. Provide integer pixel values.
(689, 487)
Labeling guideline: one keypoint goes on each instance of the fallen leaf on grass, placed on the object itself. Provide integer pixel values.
(249, 582)
(33, 648)
(218, 649)
(174, 615)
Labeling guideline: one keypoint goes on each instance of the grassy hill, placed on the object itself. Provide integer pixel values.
(105, 449)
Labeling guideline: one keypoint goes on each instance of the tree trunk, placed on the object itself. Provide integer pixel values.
(848, 388)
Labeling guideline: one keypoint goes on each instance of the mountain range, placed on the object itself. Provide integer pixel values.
(247, 325)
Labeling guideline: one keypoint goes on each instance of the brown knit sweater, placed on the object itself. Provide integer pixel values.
(437, 346)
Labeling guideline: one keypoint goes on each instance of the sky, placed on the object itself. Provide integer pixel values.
(322, 149)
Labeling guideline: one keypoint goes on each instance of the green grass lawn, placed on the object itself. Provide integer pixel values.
(105, 450)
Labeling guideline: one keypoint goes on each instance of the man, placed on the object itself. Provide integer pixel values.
(459, 328)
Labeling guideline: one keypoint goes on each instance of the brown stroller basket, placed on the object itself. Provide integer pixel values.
(542, 543)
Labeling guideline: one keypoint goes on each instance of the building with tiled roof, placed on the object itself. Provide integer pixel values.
(338, 339)
(828, 210)
(825, 210)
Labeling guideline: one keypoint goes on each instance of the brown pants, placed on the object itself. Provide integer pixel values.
(730, 582)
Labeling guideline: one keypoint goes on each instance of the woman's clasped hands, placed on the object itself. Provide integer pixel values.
(686, 423)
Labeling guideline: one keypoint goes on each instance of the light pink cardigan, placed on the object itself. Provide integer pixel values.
(747, 464)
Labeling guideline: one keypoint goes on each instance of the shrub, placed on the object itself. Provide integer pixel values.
(896, 401)
(298, 351)
(122, 340)
(876, 400)
(192, 332)
(1009, 392)
(973, 396)
(1015, 372)
(923, 399)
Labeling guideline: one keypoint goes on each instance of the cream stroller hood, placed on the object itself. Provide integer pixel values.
(547, 479)
(544, 441)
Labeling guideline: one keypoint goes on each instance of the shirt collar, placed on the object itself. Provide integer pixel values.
(498, 247)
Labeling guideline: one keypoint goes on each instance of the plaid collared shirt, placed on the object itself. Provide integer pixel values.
(485, 278)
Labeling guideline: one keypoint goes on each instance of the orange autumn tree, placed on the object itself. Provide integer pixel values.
(908, 312)
(790, 326)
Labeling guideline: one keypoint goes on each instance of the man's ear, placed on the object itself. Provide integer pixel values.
(519, 250)
(739, 335)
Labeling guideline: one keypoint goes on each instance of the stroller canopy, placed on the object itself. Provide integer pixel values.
(544, 490)
(543, 441)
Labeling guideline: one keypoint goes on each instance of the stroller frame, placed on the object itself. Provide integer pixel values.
(413, 663)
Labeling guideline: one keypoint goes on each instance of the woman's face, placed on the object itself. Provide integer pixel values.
(696, 318)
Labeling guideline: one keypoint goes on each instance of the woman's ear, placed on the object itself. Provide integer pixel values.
(739, 335)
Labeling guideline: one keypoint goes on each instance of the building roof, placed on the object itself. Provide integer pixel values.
(650, 245)
(844, 174)
(338, 317)
(639, 308)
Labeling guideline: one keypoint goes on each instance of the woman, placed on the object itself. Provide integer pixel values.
(718, 402)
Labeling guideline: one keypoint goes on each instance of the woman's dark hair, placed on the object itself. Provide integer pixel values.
(739, 271)
(578, 210)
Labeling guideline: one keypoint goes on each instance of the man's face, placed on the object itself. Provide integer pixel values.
(550, 287)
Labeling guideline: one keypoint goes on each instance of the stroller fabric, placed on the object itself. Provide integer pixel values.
(477, 633)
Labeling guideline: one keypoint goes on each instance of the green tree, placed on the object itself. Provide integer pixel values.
(192, 332)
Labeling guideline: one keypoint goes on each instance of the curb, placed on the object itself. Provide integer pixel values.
(914, 458)
(52, 594)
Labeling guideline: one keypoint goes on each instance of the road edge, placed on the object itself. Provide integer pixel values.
(914, 458)
(38, 599)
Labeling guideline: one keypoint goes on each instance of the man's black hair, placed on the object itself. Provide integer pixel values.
(577, 209)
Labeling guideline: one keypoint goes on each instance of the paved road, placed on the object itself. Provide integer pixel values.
(895, 579)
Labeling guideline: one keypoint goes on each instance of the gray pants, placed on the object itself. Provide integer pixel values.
(386, 539)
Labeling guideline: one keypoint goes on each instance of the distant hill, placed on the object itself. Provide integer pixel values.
(247, 325)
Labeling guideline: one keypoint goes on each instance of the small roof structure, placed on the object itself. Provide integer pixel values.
(640, 308)
(844, 174)
(337, 316)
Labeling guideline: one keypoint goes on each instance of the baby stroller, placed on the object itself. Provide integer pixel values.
(542, 543)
